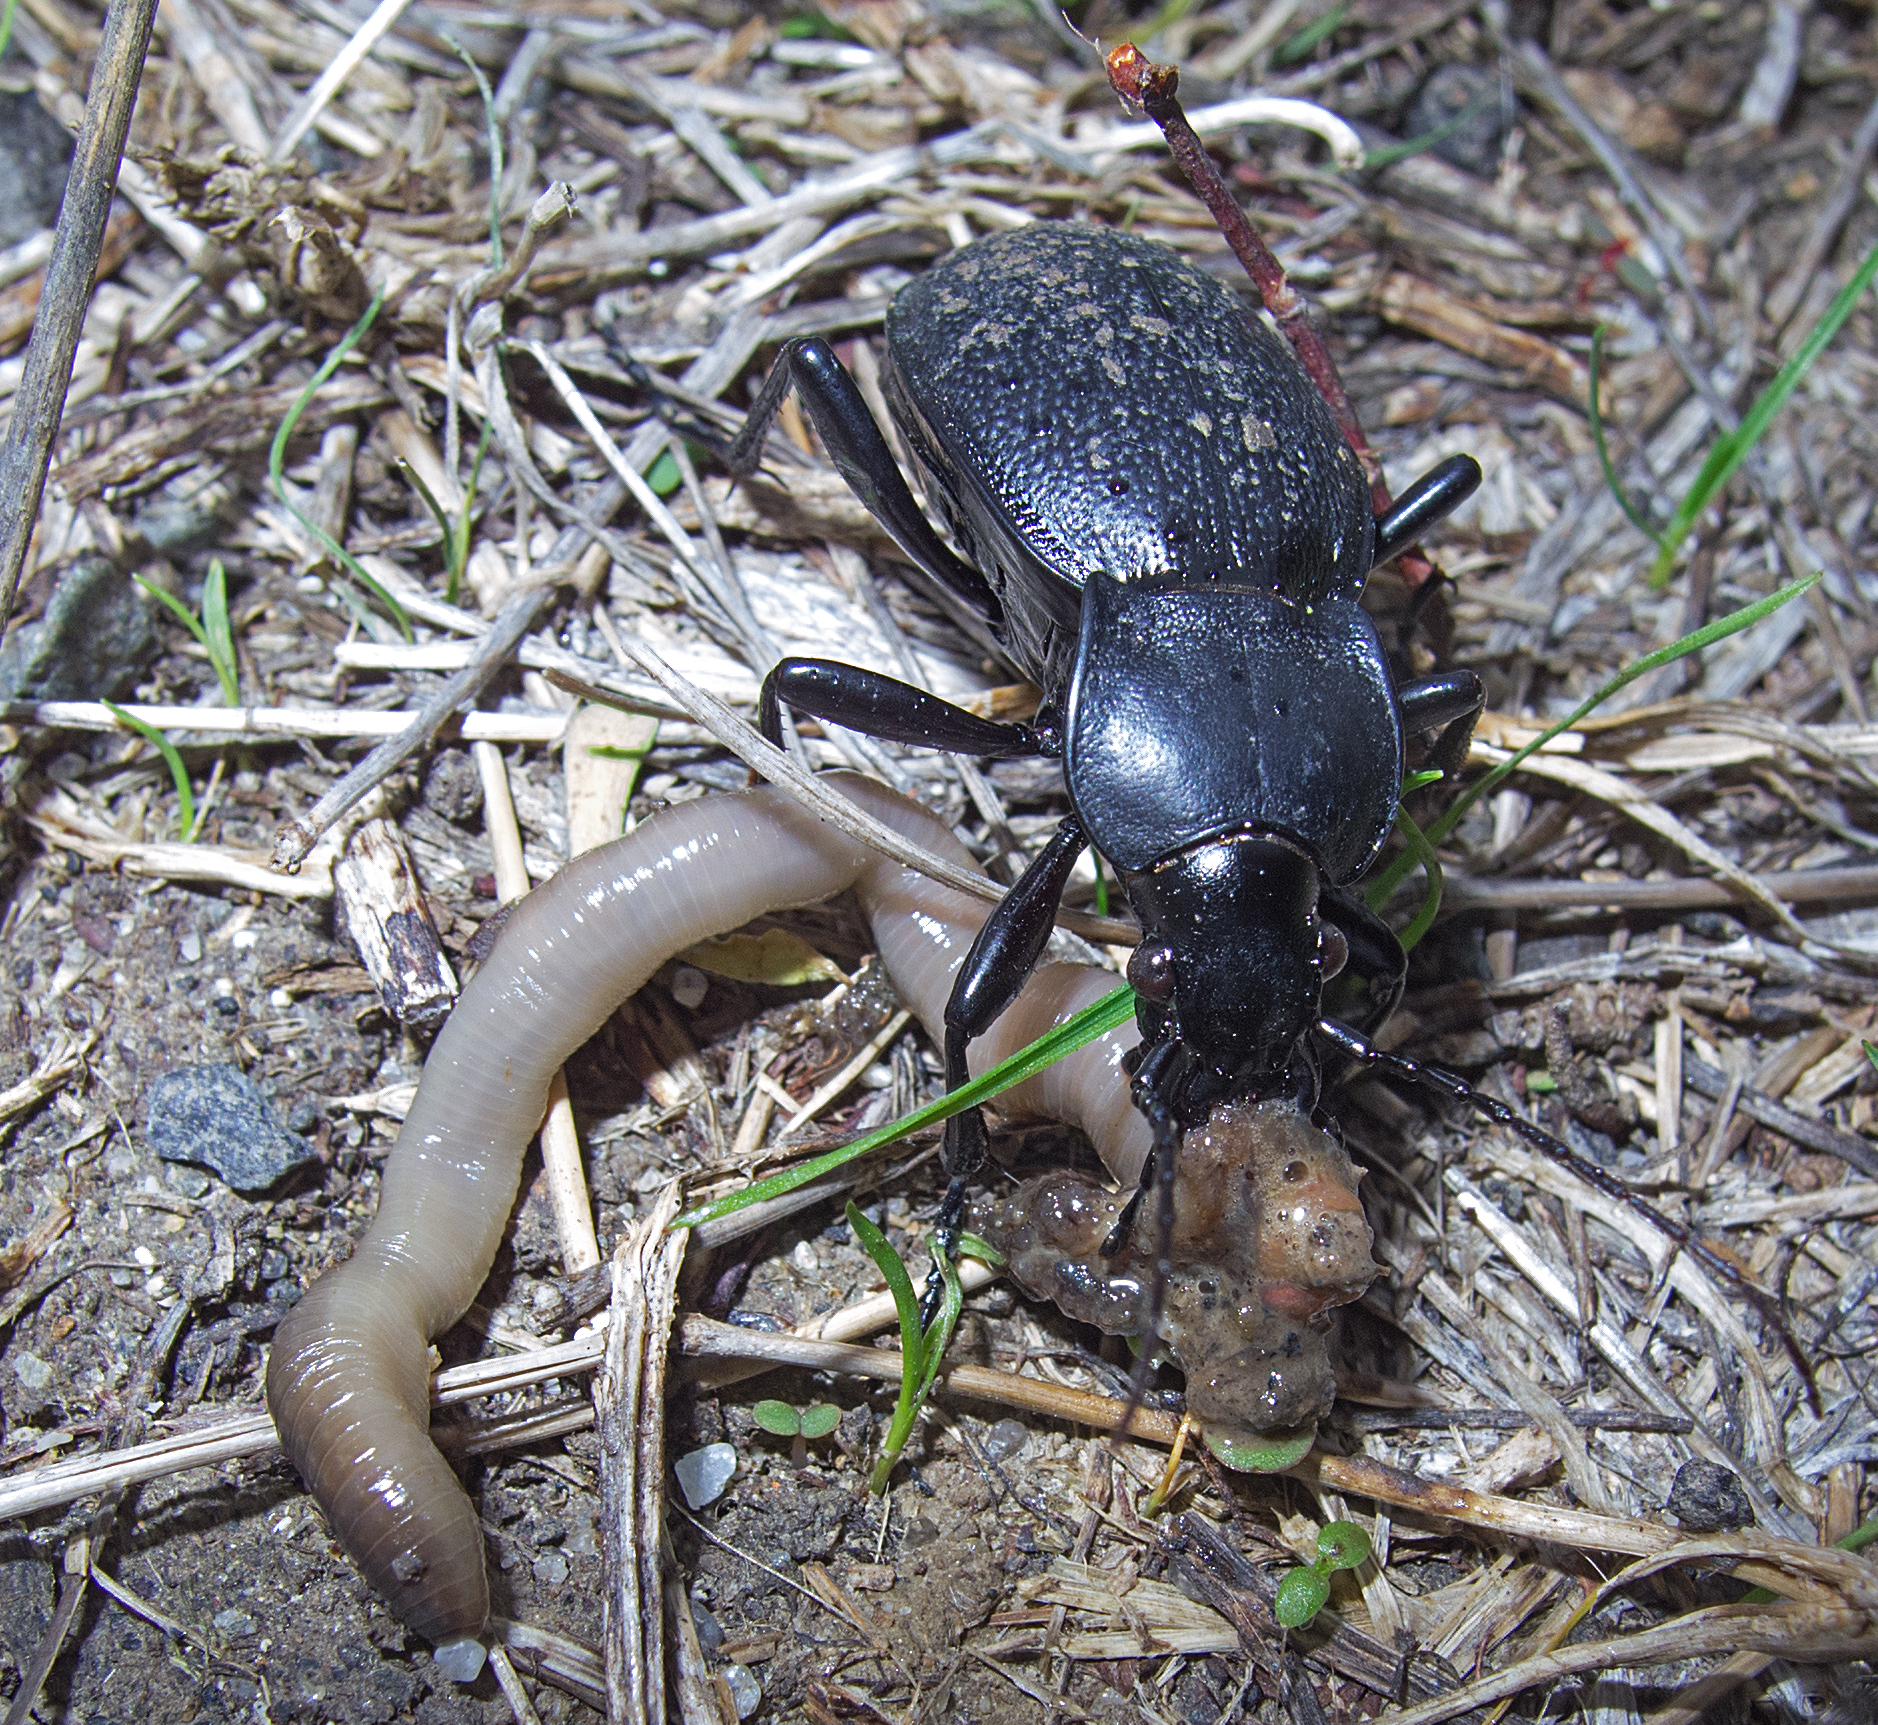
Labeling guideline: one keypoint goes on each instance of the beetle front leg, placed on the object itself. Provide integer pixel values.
(993, 975)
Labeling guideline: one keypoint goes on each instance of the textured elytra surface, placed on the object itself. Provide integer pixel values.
(1123, 412)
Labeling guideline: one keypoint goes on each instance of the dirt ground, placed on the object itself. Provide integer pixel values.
(1458, 290)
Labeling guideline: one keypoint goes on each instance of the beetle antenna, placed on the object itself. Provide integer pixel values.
(1771, 1306)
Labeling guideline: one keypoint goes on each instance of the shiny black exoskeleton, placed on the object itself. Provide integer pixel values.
(1164, 527)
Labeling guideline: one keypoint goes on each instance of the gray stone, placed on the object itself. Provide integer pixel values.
(217, 1115)
(1475, 97)
(35, 151)
(1707, 1498)
(94, 642)
(453, 787)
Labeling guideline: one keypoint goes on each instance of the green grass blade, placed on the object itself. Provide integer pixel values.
(1604, 453)
(1730, 451)
(219, 633)
(179, 774)
(1299, 46)
(1390, 154)
(1093, 1021)
(1424, 853)
(493, 133)
(6, 25)
(277, 456)
(184, 615)
(1382, 889)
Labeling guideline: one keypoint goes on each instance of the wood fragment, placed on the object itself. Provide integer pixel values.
(377, 900)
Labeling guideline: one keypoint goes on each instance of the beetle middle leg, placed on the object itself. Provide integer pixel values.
(881, 706)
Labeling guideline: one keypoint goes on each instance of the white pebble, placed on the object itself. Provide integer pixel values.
(746, 1693)
(703, 1474)
(689, 987)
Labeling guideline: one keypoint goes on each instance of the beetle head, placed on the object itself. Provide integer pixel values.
(1233, 950)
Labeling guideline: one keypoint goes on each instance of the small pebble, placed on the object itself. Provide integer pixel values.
(97, 632)
(233, 1623)
(689, 987)
(710, 1631)
(804, 1258)
(746, 1693)
(703, 1474)
(32, 1371)
(551, 1569)
(217, 1115)
(453, 787)
(1707, 1498)
(1005, 1439)
(190, 946)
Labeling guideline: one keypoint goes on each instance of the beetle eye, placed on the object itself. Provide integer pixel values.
(1333, 950)
(1151, 971)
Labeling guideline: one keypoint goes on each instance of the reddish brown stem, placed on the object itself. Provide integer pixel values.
(1152, 88)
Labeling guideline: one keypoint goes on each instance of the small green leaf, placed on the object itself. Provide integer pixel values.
(970, 1246)
(820, 1420)
(663, 475)
(1262, 1452)
(1341, 1545)
(776, 957)
(218, 632)
(277, 456)
(1541, 1083)
(777, 1418)
(1871, 1053)
(1301, 1595)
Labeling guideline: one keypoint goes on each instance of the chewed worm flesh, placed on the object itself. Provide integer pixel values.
(348, 1378)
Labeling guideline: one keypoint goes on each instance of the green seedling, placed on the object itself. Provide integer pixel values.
(277, 456)
(663, 475)
(179, 774)
(1596, 411)
(1390, 154)
(920, 1350)
(212, 628)
(1304, 1592)
(6, 26)
(799, 1425)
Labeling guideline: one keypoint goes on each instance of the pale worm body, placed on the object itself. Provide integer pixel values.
(348, 1379)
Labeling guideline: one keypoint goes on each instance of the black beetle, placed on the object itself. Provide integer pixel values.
(1168, 533)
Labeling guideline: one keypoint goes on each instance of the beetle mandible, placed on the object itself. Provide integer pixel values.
(1163, 526)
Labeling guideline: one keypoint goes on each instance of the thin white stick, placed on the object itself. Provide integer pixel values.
(327, 85)
(284, 721)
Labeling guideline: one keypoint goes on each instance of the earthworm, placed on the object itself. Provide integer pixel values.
(347, 1382)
